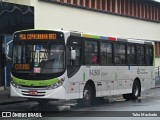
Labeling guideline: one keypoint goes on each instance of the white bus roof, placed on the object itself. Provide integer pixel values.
(111, 38)
(101, 37)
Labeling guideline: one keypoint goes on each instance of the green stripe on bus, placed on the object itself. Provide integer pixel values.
(34, 82)
(96, 36)
(91, 36)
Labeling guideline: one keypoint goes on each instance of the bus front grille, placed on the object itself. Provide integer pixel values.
(32, 95)
(37, 93)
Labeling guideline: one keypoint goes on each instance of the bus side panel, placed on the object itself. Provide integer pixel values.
(148, 75)
(124, 79)
(94, 73)
(74, 84)
(136, 73)
(109, 75)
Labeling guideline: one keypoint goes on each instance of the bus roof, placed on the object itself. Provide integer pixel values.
(101, 37)
(111, 38)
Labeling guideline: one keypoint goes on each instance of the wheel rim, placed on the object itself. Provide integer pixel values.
(136, 90)
(86, 96)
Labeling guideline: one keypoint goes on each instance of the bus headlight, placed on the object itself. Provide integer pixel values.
(56, 85)
(14, 84)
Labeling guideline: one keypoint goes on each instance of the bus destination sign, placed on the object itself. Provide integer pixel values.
(37, 36)
(21, 66)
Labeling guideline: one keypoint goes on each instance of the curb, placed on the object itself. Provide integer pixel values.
(156, 87)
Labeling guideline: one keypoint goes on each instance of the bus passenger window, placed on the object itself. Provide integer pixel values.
(149, 56)
(106, 53)
(140, 55)
(131, 56)
(91, 52)
(119, 54)
(94, 59)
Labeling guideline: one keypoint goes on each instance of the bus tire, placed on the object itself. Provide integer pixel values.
(127, 96)
(136, 90)
(87, 96)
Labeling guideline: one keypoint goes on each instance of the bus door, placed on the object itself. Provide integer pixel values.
(74, 69)
(1, 62)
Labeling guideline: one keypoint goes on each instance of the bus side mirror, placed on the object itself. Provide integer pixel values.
(73, 54)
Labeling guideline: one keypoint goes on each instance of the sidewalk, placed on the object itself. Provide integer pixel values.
(5, 98)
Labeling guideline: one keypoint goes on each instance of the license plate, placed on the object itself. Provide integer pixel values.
(32, 92)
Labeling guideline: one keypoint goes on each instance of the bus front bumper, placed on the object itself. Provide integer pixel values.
(58, 93)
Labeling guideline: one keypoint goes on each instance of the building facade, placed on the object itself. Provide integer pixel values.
(139, 19)
(13, 17)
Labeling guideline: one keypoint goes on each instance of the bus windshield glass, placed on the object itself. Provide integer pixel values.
(38, 58)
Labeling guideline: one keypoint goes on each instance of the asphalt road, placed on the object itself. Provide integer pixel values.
(114, 108)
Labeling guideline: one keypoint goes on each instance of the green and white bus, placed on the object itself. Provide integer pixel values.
(58, 64)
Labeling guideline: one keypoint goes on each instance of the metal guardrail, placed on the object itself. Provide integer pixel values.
(157, 76)
(157, 70)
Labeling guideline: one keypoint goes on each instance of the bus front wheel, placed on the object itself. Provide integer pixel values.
(87, 96)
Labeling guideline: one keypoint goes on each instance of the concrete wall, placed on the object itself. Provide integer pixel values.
(23, 2)
(48, 15)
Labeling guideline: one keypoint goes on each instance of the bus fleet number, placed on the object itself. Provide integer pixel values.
(94, 72)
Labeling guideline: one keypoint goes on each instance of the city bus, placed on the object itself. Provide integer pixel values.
(70, 65)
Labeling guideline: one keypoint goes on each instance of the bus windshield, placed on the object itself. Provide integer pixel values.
(38, 58)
